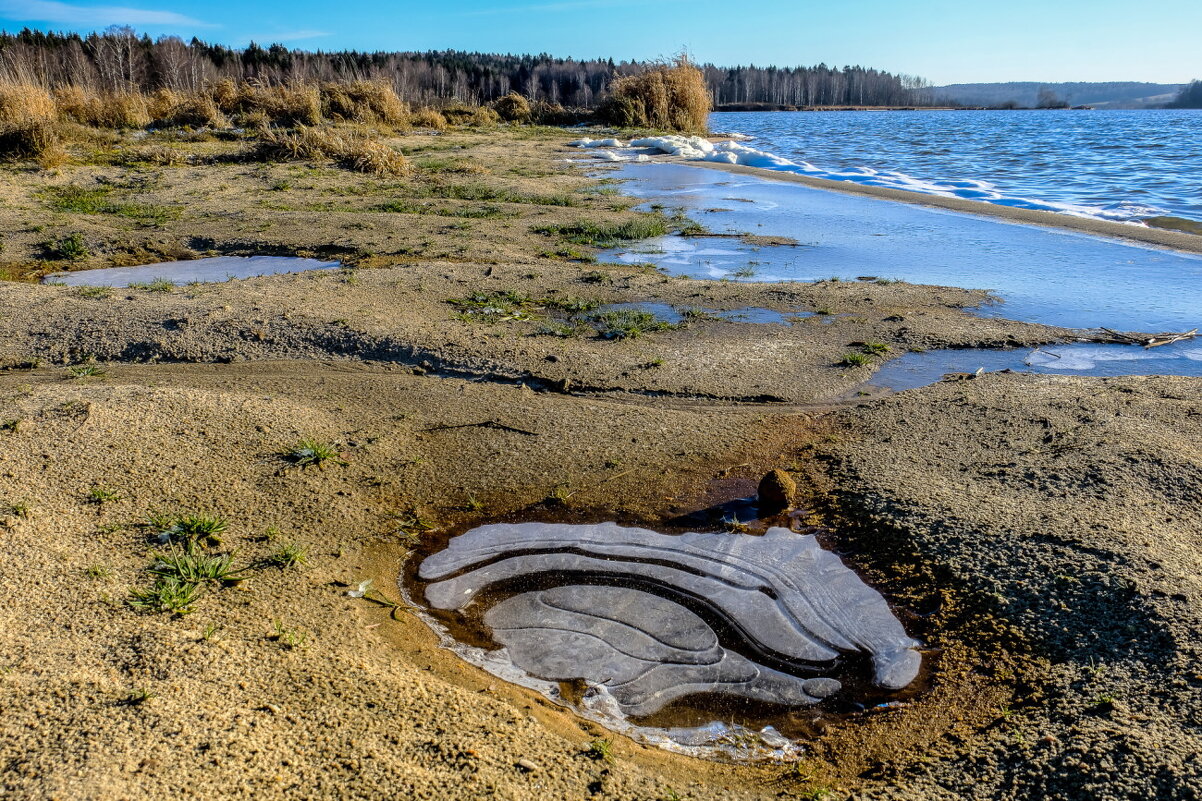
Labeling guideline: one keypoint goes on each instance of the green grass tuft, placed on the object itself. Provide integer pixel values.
(627, 323)
(605, 235)
(310, 452)
(855, 360)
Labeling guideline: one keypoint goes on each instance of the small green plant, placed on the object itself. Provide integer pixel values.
(97, 572)
(310, 452)
(412, 525)
(601, 750)
(102, 495)
(71, 248)
(167, 594)
(190, 529)
(494, 307)
(10, 425)
(82, 371)
(734, 525)
(289, 554)
(596, 277)
(744, 272)
(876, 347)
(210, 631)
(21, 509)
(156, 285)
(95, 292)
(855, 360)
(190, 565)
(288, 638)
(139, 696)
(472, 504)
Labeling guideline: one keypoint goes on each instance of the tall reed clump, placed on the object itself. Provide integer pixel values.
(27, 124)
(355, 150)
(366, 102)
(255, 105)
(172, 109)
(513, 108)
(109, 110)
(669, 97)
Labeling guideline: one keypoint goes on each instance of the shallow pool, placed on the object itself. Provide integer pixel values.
(211, 270)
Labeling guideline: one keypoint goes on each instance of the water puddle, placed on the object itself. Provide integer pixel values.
(1043, 275)
(712, 644)
(675, 315)
(212, 270)
(915, 370)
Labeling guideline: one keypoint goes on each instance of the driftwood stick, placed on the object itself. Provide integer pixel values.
(485, 424)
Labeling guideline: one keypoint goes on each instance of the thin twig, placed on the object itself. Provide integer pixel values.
(486, 424)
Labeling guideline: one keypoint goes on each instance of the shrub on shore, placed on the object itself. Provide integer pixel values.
(512, 108)
(667, 97)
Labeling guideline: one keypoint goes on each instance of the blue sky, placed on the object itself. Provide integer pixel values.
(945, 41)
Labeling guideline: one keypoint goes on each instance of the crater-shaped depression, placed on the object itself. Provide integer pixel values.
(629, 611)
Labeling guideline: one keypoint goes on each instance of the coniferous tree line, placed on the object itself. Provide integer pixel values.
(119, 60)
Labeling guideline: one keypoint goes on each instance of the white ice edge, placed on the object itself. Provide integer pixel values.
(696, 148)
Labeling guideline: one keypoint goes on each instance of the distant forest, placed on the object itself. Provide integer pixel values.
(1190, 96)
(1115, 94)
(119, 60)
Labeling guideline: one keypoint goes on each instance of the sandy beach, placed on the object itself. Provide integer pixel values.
(1038, 534)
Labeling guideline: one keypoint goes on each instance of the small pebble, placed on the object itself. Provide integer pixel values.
(527, 765)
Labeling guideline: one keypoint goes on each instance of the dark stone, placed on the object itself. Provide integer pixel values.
(776, 492)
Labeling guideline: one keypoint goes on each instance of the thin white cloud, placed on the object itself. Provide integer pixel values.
(67, 14)
(287, 36)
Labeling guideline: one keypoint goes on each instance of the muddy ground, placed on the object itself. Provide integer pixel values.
(1036, 532)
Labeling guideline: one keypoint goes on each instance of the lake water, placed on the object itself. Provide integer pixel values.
(1118, 165)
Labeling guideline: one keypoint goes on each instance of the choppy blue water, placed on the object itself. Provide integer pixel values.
(1118, 165)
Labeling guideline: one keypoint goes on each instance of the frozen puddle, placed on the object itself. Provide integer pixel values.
(211, 270)
(638, 622)
(915, 370)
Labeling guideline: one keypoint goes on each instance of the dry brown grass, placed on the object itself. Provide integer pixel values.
(169, 108)
(512, 108)
(669, 97)
(367, 102)
(428, 118)
(354, 149)
(123, 110)
(27, 125)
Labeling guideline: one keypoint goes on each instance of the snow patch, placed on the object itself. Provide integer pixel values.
(586, 142)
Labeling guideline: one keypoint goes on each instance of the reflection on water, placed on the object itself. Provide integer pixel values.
(212, 270)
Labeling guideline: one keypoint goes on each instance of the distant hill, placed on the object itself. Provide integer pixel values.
(1119, 94)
